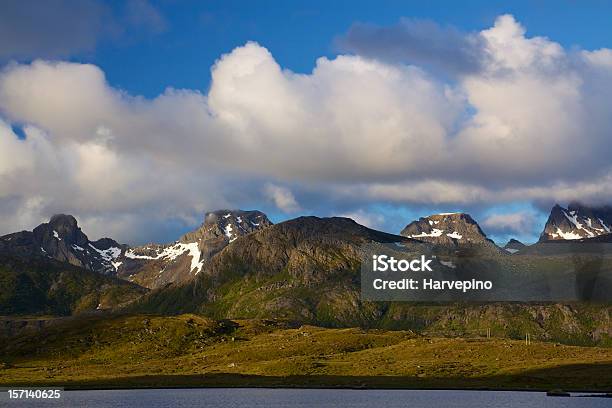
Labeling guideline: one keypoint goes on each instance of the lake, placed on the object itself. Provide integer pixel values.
(291, 398)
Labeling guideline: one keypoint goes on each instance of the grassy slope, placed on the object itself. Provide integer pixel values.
(188, 350)
(43, 286)
(338, 304)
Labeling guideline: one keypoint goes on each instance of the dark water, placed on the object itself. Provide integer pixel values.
(286, 398)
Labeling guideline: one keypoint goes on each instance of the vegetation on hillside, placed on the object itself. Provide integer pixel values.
(189, 350)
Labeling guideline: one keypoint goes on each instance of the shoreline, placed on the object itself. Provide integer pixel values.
(273, 384)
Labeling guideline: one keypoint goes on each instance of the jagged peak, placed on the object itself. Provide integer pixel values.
(229, 224)
(577, 221)
(61, 226)
(63, 220)
(513, 246)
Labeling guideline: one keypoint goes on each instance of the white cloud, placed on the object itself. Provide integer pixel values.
(532, 121)
(522, 222)
(282, 197)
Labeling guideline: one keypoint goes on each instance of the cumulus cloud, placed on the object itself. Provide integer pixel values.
(282, 197)
(531, 123)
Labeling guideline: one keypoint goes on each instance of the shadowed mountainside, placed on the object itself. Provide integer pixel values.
(43, 286)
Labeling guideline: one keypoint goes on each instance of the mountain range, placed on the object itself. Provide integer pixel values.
(238, 264)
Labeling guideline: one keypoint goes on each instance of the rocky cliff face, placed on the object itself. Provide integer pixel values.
(448, 229)
(577, 222)
(61, 239)
(157, 265)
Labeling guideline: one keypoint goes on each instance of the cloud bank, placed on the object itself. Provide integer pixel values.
(522, 119)
(516, 223)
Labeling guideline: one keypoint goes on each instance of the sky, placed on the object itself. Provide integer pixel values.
(138, 116)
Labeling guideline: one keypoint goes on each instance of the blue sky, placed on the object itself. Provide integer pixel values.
(298, 32)
(130, 122)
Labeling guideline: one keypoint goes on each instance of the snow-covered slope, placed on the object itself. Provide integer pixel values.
(156, 265)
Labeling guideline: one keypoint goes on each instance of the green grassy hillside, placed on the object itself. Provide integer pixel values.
(189, 350)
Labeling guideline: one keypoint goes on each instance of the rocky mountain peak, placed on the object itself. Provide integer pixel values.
(63, 221)
(228, 225)
(514, 245)
(446, 229)
(61, 227)
(577, 221)
(157, 265)
(62, 239)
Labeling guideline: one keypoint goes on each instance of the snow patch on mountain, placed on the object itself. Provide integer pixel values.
(170, 253)
(567, 235)
(109, 254)
(228, 232)
(434, 233)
